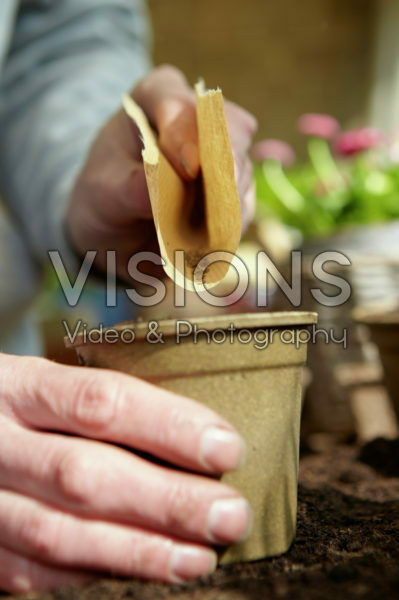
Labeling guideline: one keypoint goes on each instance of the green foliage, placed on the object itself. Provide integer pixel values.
(324, 195)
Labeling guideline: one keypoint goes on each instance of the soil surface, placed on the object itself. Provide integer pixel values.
(347, 543)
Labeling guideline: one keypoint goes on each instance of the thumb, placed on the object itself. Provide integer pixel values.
(169, 104)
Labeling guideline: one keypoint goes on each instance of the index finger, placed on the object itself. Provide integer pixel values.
(241, 124)
(115, 407)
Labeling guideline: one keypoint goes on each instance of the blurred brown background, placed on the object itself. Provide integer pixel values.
(278, 59)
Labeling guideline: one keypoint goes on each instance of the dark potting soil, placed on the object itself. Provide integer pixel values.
(347, 543)
(382, 455)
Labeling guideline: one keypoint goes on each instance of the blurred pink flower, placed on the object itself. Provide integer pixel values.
(274, 149)
(318, 125)
(357, 140)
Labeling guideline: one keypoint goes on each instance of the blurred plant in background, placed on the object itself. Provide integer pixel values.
(351, 178)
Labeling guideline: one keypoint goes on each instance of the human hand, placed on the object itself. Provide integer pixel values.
(110, 207)
(72, 505)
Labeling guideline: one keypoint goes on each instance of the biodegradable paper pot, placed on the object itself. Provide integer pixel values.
(383, 323)
(257, 390)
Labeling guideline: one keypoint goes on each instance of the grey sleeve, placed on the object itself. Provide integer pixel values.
(68, 64)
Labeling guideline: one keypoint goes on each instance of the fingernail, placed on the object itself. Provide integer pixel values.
(229, 520)
(236, 169)
(188, 562)
(22, 584)
(190, 159)
(222, 450)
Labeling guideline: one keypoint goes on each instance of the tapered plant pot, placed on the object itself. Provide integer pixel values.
(257, 389)
(383, 323)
